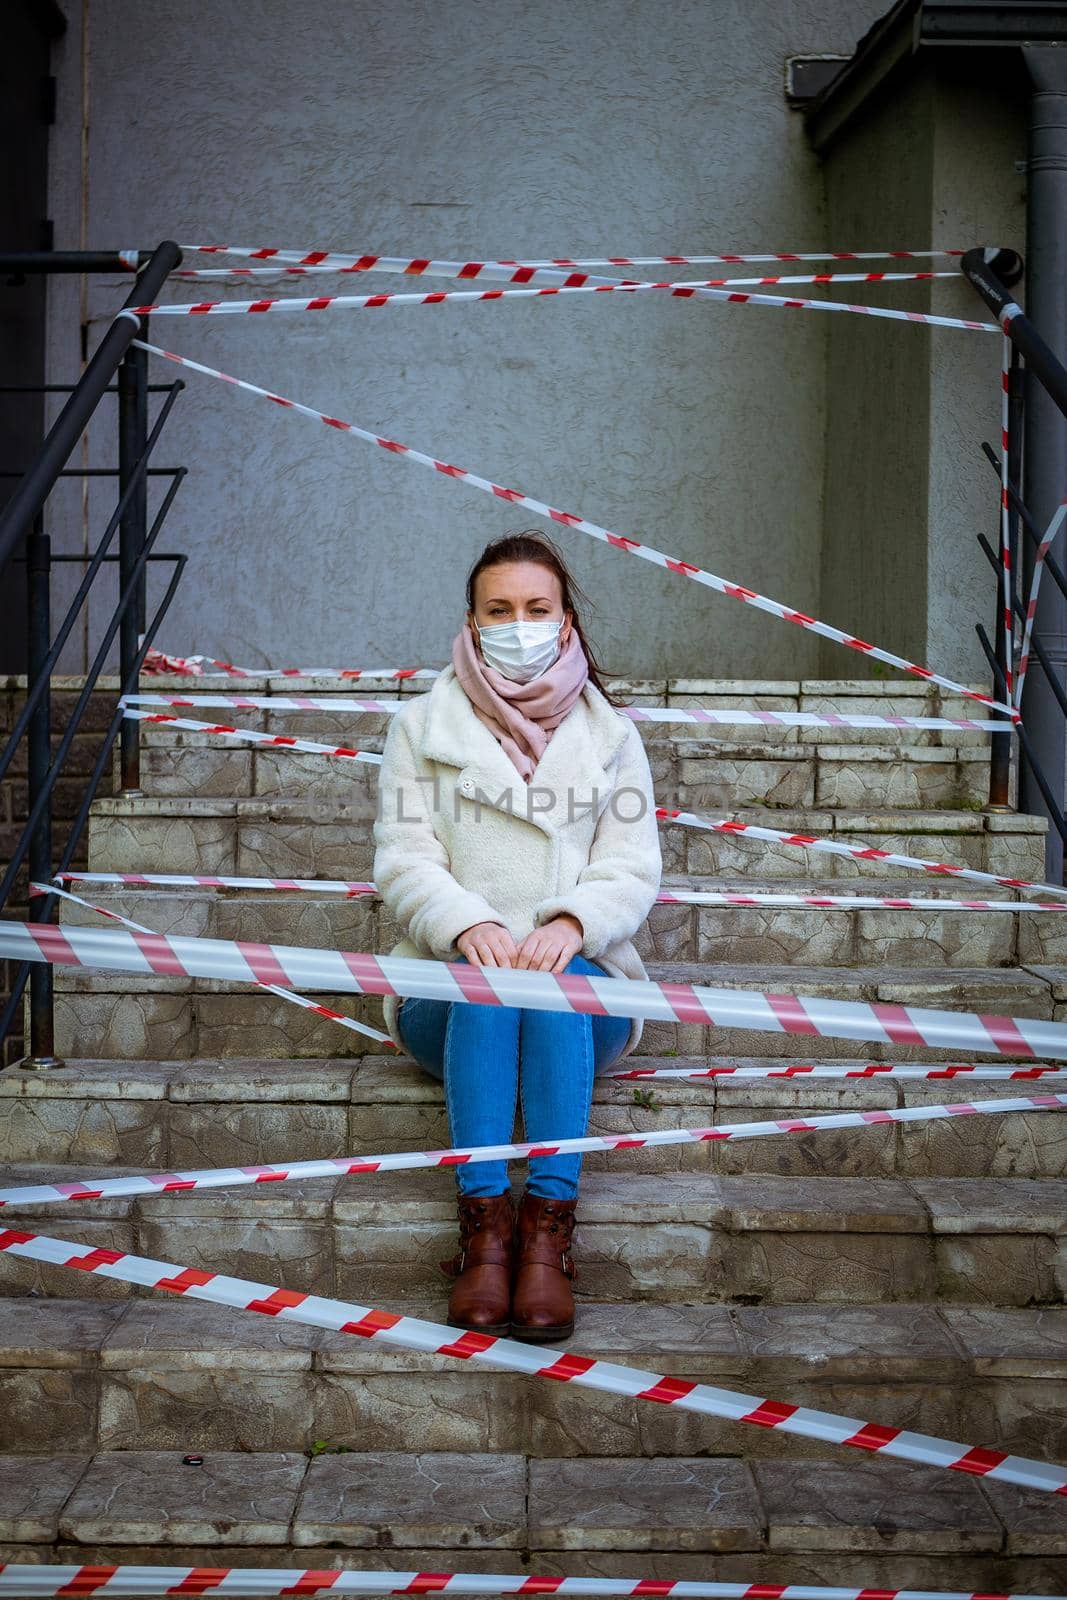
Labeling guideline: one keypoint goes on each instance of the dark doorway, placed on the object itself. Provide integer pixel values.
(27, 93)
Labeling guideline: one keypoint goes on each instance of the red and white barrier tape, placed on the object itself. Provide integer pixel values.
(849, 902)
(352, 1023)
(752, 830)
(1035, 589)
(23, 1582)
(251, 736)
(412, 1333)
(1006, 581)
(686, 819)
(157, 662)
(362, 972)
(729, 718)
(190, 880)
(413, 266)
(903, 1072)
(411, 1160)
(216, 274)
(618, 541)
(682, 897)
(705, 290)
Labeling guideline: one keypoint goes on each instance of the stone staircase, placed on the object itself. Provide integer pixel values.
(909, 1274)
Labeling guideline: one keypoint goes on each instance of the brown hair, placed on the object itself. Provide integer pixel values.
(530, 544)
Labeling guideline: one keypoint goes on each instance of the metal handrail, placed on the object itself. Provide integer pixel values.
(979, 268)
(45, 905)
(992, 273)
(35, 691)
(116, 368)
(26, 502)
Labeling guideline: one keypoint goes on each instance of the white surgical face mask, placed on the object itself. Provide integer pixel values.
(520, 650)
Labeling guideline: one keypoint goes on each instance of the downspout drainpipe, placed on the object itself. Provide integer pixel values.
(1045, 460)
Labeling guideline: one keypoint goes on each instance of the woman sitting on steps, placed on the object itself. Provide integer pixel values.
(554, 872)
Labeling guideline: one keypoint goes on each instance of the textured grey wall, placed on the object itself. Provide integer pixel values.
(482, 128)
(907, 488)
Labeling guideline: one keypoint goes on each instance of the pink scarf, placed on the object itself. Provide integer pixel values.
(520, 716)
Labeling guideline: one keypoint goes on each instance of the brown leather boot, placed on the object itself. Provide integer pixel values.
(542, 1305)
(481, 1297)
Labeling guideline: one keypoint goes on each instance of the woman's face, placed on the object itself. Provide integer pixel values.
(518, 591)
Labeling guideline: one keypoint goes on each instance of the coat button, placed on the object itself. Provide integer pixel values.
(468, 783)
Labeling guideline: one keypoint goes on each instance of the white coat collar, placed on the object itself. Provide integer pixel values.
(571, 769)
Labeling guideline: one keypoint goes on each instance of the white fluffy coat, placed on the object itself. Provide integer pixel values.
(460, 838)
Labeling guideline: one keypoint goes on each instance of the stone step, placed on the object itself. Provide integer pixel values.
(691, 1237)
(855, 1523)
(309, 838)
(840, 696)
(815, 767)
(156, 1374)
(182, 1116)
(802, 936)
(129, 1016)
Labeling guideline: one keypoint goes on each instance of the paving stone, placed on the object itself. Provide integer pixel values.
(129, 1025)
(1024, 1343)
(973, 1206)
(219, 1407)
(392, 1499)
(687, 1503)
(150, 1496)
(214, 1135)
(190, 1336)
(882, 1341)
(859, 1505)
(243, 1080)
(89, 1130)
(33, 1491)
(1035, 1524)
(55, 1333)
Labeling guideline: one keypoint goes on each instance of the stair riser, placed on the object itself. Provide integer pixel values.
(692, 1262)
(786, 775)
(171, 1026)
(163, 1136)
(281, 847)
(220, 1406)
(776, 936)
(786, 1563)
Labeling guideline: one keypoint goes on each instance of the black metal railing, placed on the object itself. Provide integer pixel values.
(116, 369)
(1037, 378)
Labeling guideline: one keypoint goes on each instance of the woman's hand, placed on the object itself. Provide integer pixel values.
(550, 947)
(488, 944)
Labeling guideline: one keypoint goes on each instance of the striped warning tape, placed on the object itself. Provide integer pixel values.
(730, 717)
(283, 271)
(1047, 541)
(752, 830)
(248, 1583)
(361, 972)
(251, 736)
(158, 662)
(413, 1333)
(681, 897)
(413, 266)
(617, 541)
(283, 993)
(245, 274)
(685, 819)
(898, 1071)
(45, 1194)
(977, 1071)
(706, 289)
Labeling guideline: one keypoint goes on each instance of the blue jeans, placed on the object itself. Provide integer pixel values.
(488, 1055)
